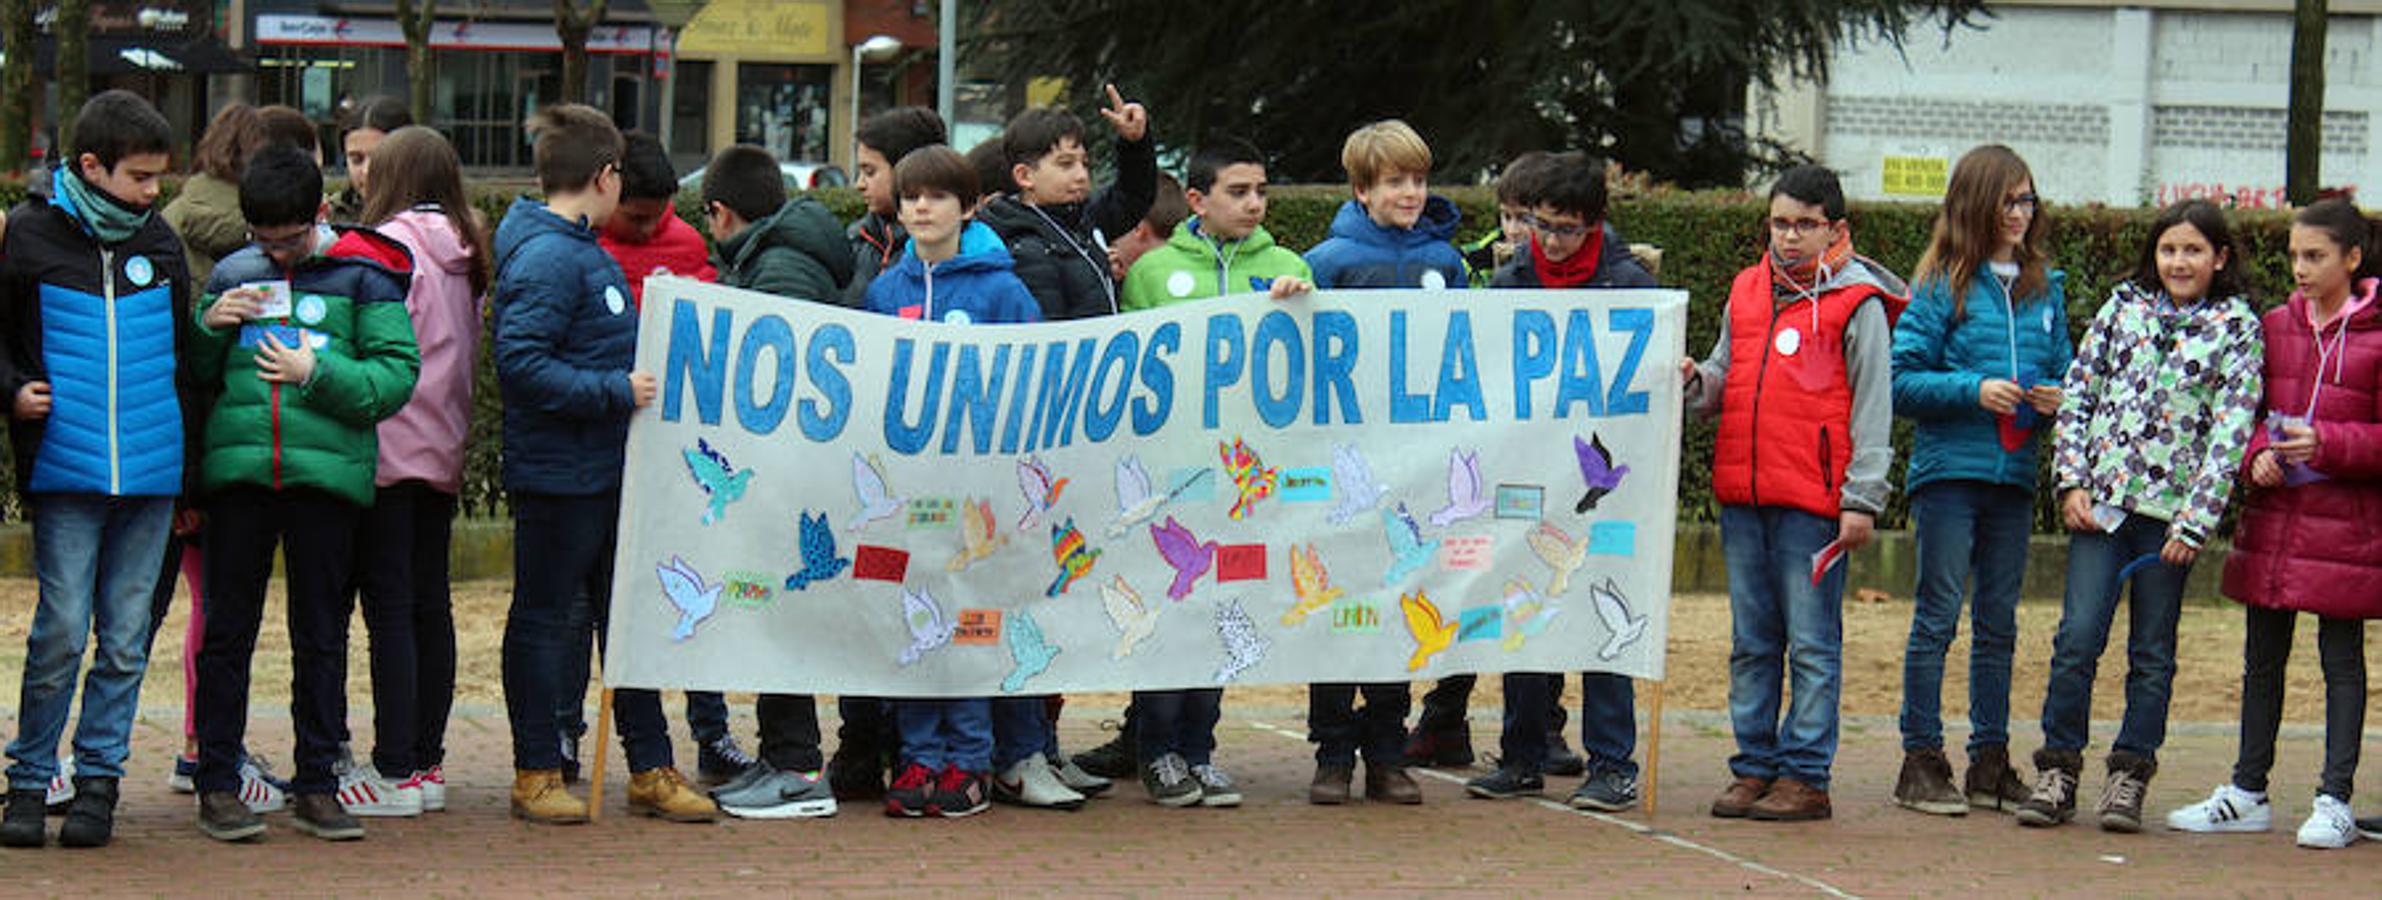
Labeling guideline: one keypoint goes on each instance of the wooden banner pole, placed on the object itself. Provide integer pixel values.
(1654, 751)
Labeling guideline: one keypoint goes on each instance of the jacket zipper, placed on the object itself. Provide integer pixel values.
(286, 274)
(1761, 373)
(107, 280)
(929, 270)
(1827, 461)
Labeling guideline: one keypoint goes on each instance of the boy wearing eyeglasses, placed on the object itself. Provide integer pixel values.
(1802, 382)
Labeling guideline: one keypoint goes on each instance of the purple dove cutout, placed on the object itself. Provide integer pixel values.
(1465, 497)
(1185, 553)
(1597, 469)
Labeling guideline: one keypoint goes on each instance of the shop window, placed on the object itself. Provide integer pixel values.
(784, 108)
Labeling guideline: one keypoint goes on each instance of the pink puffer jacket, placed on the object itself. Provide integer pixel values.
(425, 439)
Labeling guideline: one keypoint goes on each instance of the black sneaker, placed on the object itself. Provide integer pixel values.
(570, 760)
(721, 761)
(2121, 795)
(1610, 790)
(1449, 749)
(1506, 784)
(1112, 760)
(21, 823)
(223, 817)
(856, 773)
(1561, 762)
(2054, 799)
(2370, 827)
(91, 819)
(322, 816)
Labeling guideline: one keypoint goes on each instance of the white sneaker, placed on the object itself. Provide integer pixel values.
(1215, 787)
(259, 790)
(1078, 780)
(2330, 826)
(364, 792)
(1030, 782)
(433, 782)
(2228, 810)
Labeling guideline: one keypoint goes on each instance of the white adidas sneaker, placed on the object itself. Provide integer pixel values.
(2330, 826)
(363, 791)
(2228, 810)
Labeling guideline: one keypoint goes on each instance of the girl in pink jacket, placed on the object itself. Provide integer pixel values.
(2311, 534)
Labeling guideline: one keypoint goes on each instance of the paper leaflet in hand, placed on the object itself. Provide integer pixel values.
(272, 298)
(1828, 557)
(2295, 474)
(2020, 424)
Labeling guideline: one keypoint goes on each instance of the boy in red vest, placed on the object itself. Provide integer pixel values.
(1799, 466)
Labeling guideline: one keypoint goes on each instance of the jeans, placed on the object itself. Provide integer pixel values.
(1340, 728)
(96, 559)
(1783, 629)
(2094, 560)
(941, 733)
(2340, 645)
(1608, 720)
(409, 620)
(316, 533)
(562, 549)
(1021, 728)
(706, 711)
(1179, 722)
(1966, 529)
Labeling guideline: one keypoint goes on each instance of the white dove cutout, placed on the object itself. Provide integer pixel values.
(685, 589)
(1465, 499)
(876, 501)
(1359, 490)
(1040, 490)
(1561, 552)
(1243, 645)
(1135, 621)
(1136, 502)
(928, 628)
(1613, 610)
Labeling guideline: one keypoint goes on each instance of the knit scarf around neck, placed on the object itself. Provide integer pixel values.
(1808, 275)
(106, 218)
(1575, 270)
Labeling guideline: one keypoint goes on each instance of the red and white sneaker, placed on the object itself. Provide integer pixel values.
(260, 791)
(433, 784)
(363, 791)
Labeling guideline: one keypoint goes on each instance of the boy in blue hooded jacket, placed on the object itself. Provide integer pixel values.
(1395, 232)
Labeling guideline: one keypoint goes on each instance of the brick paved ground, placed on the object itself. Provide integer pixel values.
(1275, 845)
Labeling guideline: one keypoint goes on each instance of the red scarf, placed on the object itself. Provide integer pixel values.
(1575, 270)
(1805, 275)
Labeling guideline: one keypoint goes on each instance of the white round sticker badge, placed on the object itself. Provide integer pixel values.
(613, 300)
(1433, 280)
(1788, 342)
(1179, 284)
(311, 309)
(958, 317)
(139, 271)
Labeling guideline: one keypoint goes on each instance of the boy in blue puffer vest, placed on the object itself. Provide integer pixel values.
(1395, 233)
(89, 350)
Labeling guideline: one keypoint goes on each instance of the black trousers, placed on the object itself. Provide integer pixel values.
(316, 533)
(2266, 648)
(409, 620)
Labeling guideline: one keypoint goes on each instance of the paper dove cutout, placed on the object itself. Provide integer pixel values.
(1359, 490)
(1185, 553)
(819, 561)
(1408, 551)
(1137, 501)
(876, 502)
(1465, 497)
(1074, 556)
(1526, 613)
(1560, 552)
(1613, 610)
(1027, 649)
(723, 482)
(1243, 646)
(1251, 479)
(1041, 491)
(685, 589)
(1597, 469)
(1311, 583)
(1135, 621)
(979, 534)
(928, 628)
(1432, 632)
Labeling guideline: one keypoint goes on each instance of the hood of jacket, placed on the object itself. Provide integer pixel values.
(1190, 239)
(802, 225)
(438, 247)
(980, 251)
(1437, 225)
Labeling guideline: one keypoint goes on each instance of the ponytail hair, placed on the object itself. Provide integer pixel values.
(2349, 230)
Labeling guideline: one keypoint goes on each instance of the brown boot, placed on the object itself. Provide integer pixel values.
(1791, 801)
(662, 793)
(1992, 783)
(1736, 800)
(1926, 784)
(538, 796)
(1331, 785)
(1391, 784)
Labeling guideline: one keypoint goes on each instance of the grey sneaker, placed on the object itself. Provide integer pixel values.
(1169, 781)
(722, 760)
(1608, 790)
(777, 794)
(1076, 779)
(1215, 787)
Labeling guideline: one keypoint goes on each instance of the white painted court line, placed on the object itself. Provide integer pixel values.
(1639, 828)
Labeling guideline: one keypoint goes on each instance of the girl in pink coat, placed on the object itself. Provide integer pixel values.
(2311, 534)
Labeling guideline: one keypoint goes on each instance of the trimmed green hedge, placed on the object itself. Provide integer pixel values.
(1706, 237)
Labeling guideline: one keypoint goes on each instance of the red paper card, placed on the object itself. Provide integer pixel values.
(1240, 562)
(880, 564)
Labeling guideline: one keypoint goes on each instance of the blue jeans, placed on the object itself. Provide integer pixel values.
(1021, 728)
(96, 558)
(1780, 623)
(939, 733)
(1966, 529)
(1180, 722)
(2094, 559)
(562, 549)
(1608, 720)
(706, 711)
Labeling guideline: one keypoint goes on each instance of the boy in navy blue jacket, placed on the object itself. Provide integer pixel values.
(1395, 232)
(566, 336)
(89, 343)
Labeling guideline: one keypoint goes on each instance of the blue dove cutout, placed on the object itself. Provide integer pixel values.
(1027, 649)
(819, 561)
(685, 589)
(722, 481)
(1408, 551)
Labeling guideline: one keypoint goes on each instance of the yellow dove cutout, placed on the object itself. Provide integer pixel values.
(1432, 631)
(979, 534)
(1314, 586)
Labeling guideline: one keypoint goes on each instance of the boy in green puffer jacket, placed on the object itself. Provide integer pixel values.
(793, 248)
(305, 337)
(1223, 248)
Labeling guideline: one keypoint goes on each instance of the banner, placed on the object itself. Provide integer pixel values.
(1346, 486)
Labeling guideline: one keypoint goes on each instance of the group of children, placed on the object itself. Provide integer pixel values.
(313, 395)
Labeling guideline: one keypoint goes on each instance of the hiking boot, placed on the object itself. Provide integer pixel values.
(2054, 798)
(958, 794)
(2228, 810)
(662, 793)
(21, 824)
(1330, 787)
(1926, 784)
(1789, 800)
(1078, 780)
(1506, 784)
(1169, 782)
(1032, 782)
(1110, 760)
(1215, 787)
(720, 761)
(907, 796)
(1736, 801)
(223, 817)
(1991, 782)
(91, 819)
(538, 796)
(1448, 749)
(320, 815)
(1391, 784)
(364, 791)
(1560, 761)
(776, 794)
(2329, 825)
(2121, 796)
(1609, 790)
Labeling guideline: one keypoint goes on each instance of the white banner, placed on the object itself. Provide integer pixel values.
(1349, 486)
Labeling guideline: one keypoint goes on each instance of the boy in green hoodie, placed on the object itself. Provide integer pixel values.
(1223, 248)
